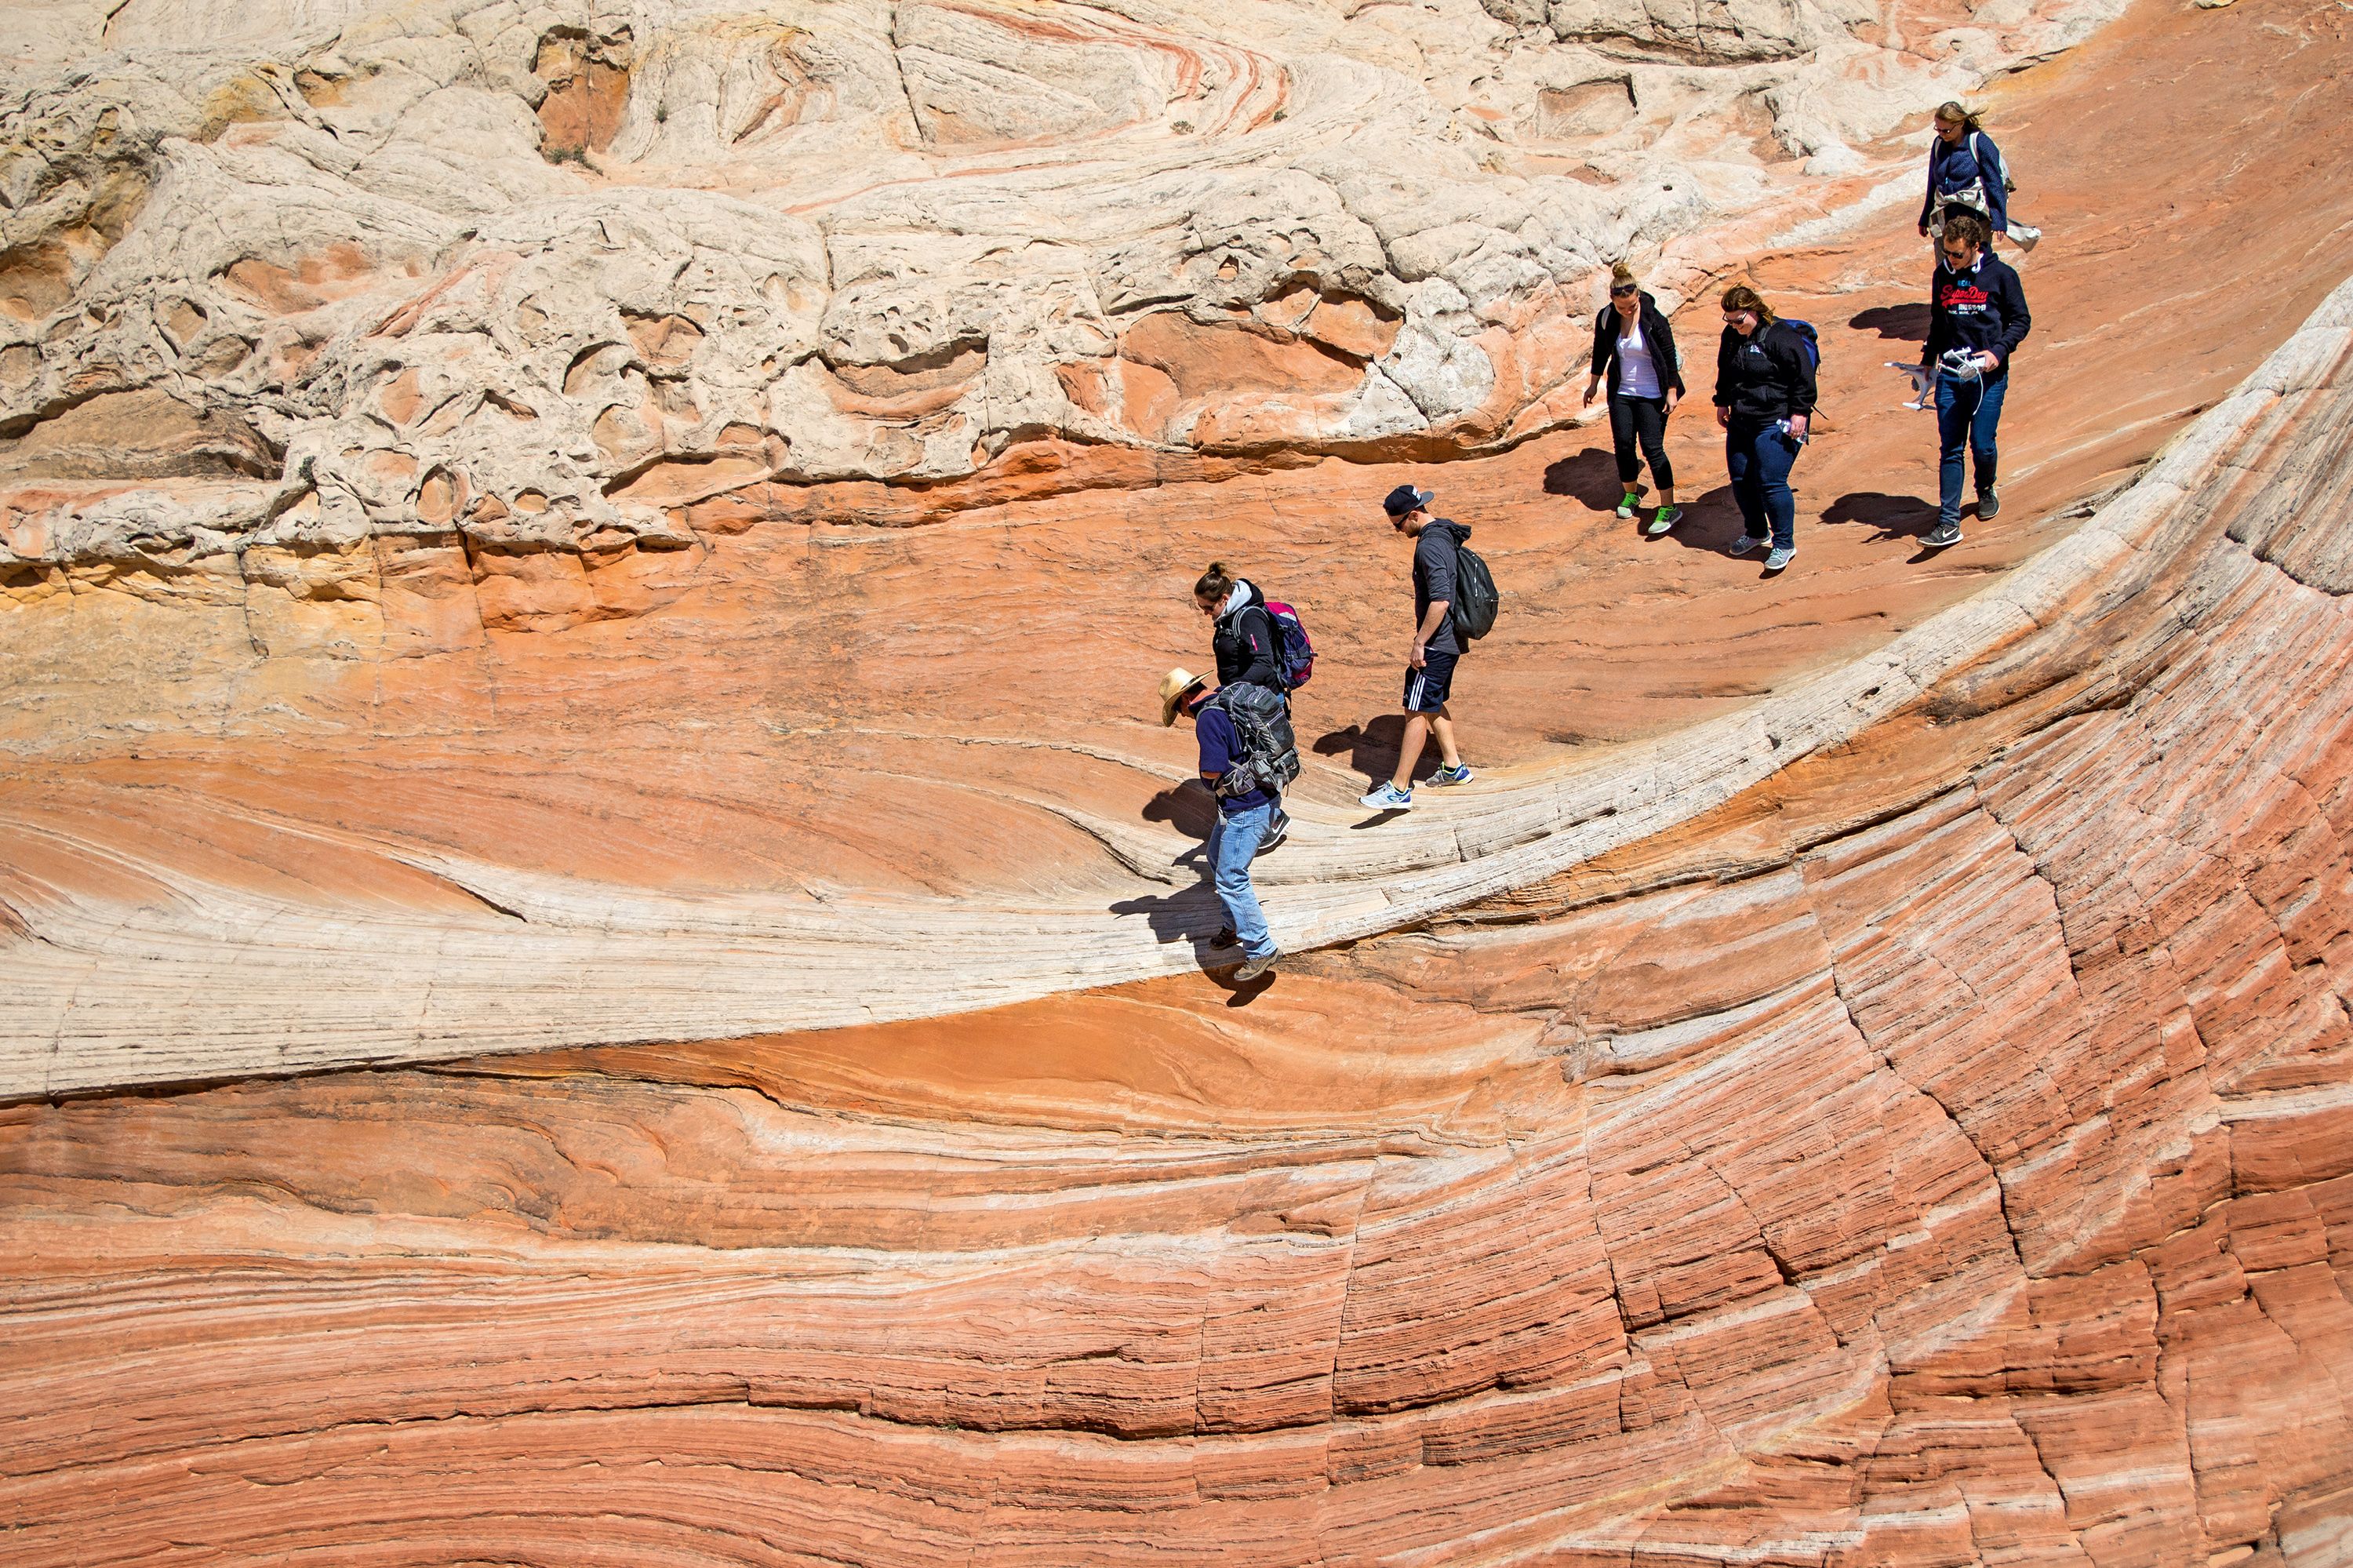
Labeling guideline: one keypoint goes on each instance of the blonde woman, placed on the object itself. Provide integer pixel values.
(1968, 172)
(1634, 349)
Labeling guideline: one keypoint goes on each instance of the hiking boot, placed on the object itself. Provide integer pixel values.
(1780, 559)
(1225, 938)
(1388, 798)
(1989, 505)
(1254, 968)
(1458, 774)
(1748, 544)
(1667, 518)
(1276, 831)
(1942, 535)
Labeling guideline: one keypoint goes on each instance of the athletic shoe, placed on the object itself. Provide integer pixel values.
(1458, 774)
(1747, 544)
(1667, 518)
(1255, 968)
(1225, 938)
(1989, 505)
(1626, 507)
(1942, 535)
(1388, 798)
(1277, 830)
(1780, 560)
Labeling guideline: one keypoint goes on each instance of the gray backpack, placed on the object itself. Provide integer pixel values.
(1270, 759)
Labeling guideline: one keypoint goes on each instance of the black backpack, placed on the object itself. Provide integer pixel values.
(1475, 598)
(1270, 759)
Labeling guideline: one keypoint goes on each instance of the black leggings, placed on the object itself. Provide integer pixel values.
(1645, 418)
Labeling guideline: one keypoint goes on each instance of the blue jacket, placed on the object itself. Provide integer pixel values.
(1979, 309)
(1955, 169)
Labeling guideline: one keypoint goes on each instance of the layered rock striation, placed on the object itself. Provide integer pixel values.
(665, 1025)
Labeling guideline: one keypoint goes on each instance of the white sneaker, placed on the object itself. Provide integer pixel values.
(1388, 798)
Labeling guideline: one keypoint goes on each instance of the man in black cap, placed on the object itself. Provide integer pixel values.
(1429, 663)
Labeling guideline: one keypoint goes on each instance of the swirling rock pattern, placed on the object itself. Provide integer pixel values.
(1865, 1080)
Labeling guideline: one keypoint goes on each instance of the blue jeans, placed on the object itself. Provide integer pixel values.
(1758, 458)
(1232, 843)
(1966, 413)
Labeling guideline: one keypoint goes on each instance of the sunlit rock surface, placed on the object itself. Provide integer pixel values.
(601, 966)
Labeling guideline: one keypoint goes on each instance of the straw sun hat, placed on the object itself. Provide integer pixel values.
(1174, 685)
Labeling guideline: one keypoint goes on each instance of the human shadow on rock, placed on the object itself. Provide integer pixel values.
(1711, 523)
(1590, 476)
(1372, 748)
(1908, 323)
(1192, 809)
(1189, 914)
(1894, 516)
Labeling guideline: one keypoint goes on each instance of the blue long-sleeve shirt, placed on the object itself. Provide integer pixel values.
(1955, 167)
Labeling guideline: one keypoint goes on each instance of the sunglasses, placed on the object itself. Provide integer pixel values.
(1628, 289)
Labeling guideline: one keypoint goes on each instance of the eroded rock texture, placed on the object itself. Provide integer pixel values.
(1864, 1078)
(589, 281)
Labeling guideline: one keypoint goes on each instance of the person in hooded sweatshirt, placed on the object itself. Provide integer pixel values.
(1243, 642)
(1966, 174)
(1634, 348)
(1765, 401)
(1437, 646)
(1977, 319)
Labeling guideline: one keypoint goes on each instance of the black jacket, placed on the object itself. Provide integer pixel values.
(1766, 377)
(1433, 579)
(1656, 333)
(1983, 308)
(1244, 643)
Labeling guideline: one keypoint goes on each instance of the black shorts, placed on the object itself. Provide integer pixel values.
(1426, 689)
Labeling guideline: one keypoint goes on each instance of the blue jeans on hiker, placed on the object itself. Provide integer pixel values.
(1232, 844)
(1966, 413)
(1758, 458)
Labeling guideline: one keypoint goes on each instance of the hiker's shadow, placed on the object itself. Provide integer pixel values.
(1908, 322)
(1903, 517)
(1194, 915)
(1192, 811)
(1372, 748)
(1590, 476)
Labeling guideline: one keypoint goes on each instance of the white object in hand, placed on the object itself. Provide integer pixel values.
(1919, 374)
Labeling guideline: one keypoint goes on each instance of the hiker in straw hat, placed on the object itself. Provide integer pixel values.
(1245, 809)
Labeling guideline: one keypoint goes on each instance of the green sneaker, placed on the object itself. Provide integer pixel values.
(1626, 507)
(1667, 518)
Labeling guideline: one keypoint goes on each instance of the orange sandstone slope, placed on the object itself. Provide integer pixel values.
(1941, 1152)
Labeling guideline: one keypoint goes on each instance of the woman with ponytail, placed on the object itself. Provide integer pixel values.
(1634, 348)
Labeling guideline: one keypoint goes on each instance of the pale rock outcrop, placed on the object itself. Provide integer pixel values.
(543, 280)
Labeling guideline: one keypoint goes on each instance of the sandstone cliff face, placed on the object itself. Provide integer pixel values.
(1863, 1079)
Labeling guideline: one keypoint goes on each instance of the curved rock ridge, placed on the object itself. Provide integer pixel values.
(128, 975)
(1971, 1184)
(594, 284)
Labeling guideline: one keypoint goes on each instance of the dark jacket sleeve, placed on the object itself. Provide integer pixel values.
(2015, 322)
(1798, 366)
(1605, 341)
(1659, 331)
(1988, 158)
(1940, 325)
(1255, 626)
(1437, 546)
(1724, 367)
(1928, 202)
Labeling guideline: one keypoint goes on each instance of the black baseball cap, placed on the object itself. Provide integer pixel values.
(1405, 498)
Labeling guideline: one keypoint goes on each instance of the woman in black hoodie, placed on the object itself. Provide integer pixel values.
(1242, 632)
(1765, 401)
(1634, 347)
